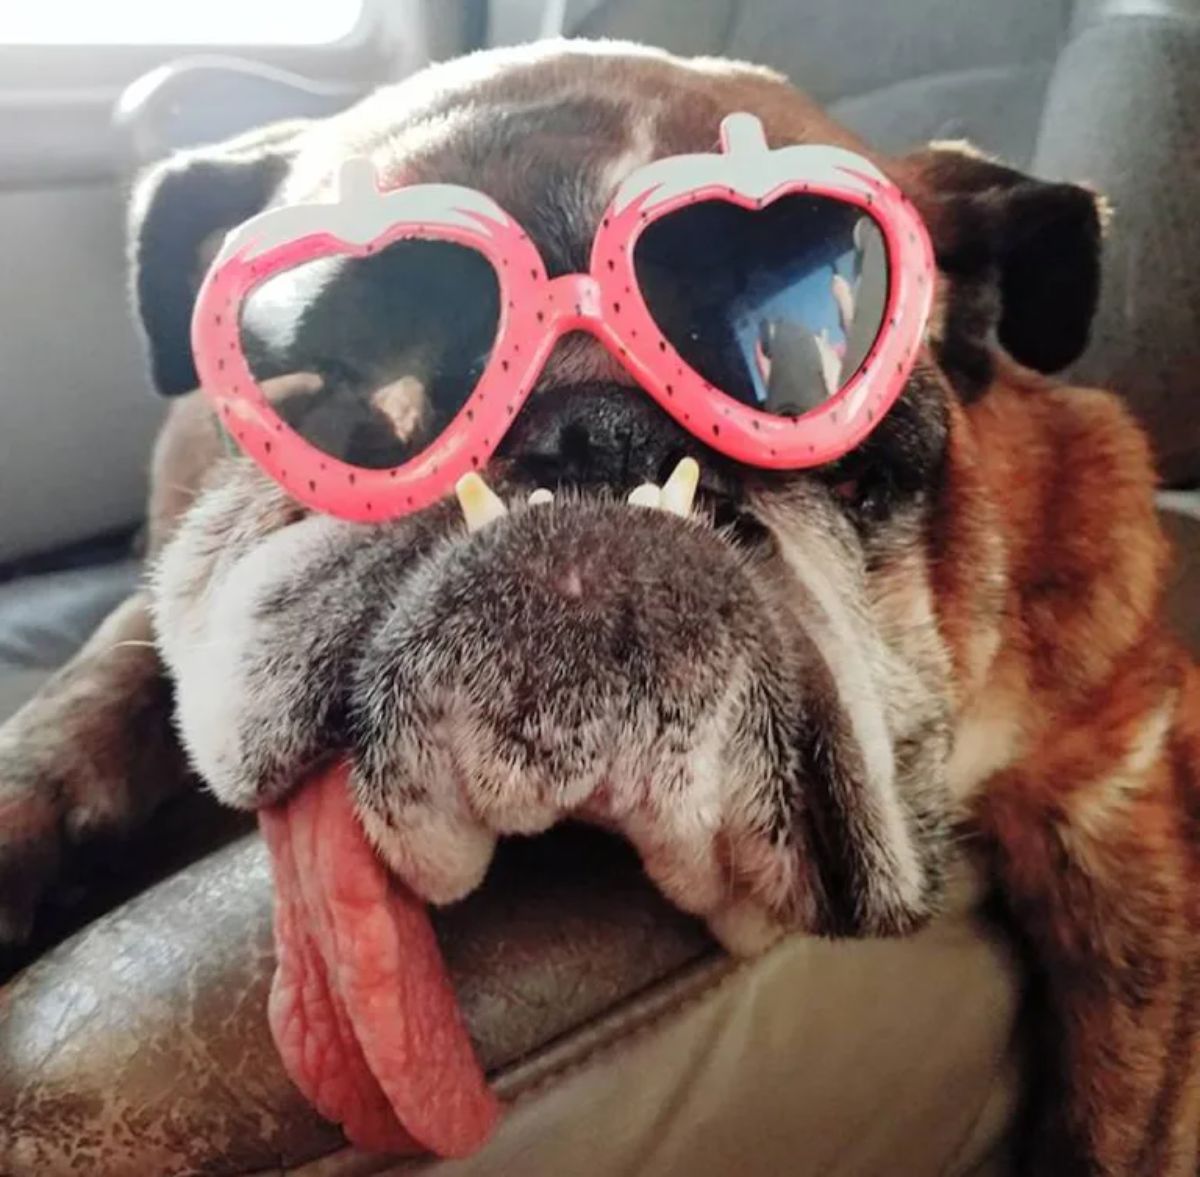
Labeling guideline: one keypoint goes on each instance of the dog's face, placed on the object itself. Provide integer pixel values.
(762, 696)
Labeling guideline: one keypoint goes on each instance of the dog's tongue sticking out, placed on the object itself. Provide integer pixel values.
(361, 1007)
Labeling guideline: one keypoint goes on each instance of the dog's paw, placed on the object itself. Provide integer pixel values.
(91, 756)
(33, 821)
(76, 768)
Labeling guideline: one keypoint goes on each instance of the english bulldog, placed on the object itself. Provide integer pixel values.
(793, 692)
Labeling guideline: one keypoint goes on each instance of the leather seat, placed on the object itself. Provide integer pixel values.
(621, 1039)
(45, 618)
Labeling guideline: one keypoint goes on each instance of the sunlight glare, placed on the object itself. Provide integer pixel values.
(177, 22)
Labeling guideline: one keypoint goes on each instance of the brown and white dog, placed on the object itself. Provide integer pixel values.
(791, 702)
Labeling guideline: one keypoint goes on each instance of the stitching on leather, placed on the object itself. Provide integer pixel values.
(618, 1027)
(631, 1028)
(1002, 1071)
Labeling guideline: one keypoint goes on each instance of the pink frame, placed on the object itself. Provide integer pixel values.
(536, 311)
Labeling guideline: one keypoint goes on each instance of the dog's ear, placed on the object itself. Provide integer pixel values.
(1022, 259)
(179, 212)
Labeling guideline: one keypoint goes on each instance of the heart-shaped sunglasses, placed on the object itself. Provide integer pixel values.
(369, 351)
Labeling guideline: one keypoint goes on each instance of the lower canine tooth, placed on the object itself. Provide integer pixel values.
(679, 491)
(646, 495)
(480, 504)
(541, 495)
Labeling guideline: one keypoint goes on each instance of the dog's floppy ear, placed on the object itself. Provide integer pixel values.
(1022, 257)
(178, 215)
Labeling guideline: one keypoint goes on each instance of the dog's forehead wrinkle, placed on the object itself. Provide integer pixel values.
(638, 150)
(610, 97)
(551, 162)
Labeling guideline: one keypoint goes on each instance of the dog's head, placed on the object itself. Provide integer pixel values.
(763, 697)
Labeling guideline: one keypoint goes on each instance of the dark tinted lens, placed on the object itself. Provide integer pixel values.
(775, 307)
(370, 358)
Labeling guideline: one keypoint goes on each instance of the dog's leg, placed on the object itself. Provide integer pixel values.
(1098, 853)
(94, 752)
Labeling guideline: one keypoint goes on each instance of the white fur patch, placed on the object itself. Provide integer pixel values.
(843, 653)
(638, 153)
(1105, 799)
(207, 642)
(985, 743)
(745, 928)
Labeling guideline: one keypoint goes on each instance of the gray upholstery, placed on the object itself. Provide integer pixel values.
(45, 619)
(77, 417)
(899, 73)
(205, 99)
(958, 104)
(18, 684)
(1146, 340)
(1181, 514)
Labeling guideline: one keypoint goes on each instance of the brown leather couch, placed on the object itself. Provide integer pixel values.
(621, 1039)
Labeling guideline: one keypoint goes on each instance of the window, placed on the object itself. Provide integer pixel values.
(177, 22)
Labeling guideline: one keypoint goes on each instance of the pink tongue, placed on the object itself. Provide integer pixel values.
(361, 1008)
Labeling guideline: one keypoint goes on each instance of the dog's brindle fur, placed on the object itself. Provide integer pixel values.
(954, 630)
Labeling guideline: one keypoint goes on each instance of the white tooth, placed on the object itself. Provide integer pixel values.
(541, 495)
(679, 491)
(646, 495)
(480, 504)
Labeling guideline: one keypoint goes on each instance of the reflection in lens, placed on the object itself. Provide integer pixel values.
(370, 358)
(776, 307)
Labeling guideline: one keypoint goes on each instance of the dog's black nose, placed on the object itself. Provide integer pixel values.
(598, 435)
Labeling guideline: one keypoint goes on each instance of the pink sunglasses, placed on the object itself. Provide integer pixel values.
(772, 302)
